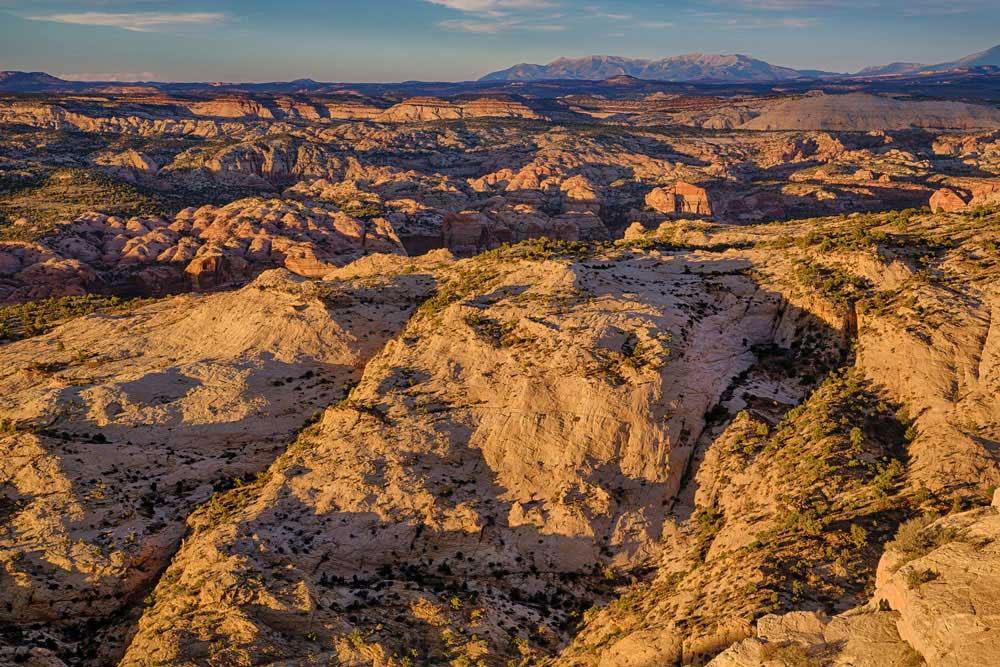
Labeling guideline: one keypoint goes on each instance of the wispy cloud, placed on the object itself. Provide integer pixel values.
(655, 25)
(489, 17)
(795, 5)
(493, 7)
(607, 16)
(134, 21)
(727, 21)
(498, 26)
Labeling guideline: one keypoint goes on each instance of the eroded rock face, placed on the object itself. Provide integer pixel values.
(945, 369)
(861, 111)
(130, 159)
(429, 108)
(936, 603)
(134, 420)
(228, 116)
(681, 199)
(470, 232)
(946, 200)
(205, 248)
(32, 271)
(541, 453)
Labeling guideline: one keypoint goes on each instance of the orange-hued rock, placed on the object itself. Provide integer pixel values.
(946, 200)
(484, 379)
(680, 199)
(662, 200)
(31, 271)
(494, 441)
(469, 232)
(210, 245)
(169, 401)
(431, 108)
(130, 159)
(234, 107)
(863, 111)
(935, 607)
(214, 268)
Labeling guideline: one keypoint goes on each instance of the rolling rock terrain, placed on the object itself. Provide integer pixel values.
(602, 382)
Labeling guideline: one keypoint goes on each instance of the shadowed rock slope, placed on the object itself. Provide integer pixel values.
(935, 603)
(134, 420)
(589, 453)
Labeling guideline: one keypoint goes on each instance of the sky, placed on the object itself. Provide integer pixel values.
(457, 40)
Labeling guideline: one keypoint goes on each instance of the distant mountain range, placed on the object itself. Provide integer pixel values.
(29, 82)
(712, 68)
(987, 58)
(692, 68)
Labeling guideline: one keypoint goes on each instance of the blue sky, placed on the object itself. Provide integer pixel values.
(396, 40)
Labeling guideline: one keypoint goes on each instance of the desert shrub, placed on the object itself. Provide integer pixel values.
(834, 284)
(859, 536)
(918, 537)
(888, 476)
(787, 653)
(709, 521)
(917, 577)
(492, 331)
(465, 283)
(542, 248)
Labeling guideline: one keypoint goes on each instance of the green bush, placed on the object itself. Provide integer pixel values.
(918, 537)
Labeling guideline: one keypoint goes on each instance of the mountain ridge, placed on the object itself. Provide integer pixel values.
(988, 58)
(731, 68)
(686, 67)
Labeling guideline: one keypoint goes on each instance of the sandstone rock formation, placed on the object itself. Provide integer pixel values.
(863, 112)
(480, 430)
(946, 200)
(134, 420)
(686, 394)
(422, 109)
(210, 245)
(935, 603)
(680, 199)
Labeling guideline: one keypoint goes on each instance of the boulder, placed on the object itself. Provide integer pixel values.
(682, 199)
(661, 201)
(946, 200)
(937, 602)
(214, 268)
(465, 233)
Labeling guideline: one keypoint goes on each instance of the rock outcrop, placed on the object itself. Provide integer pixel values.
(946, 200)
(429, 108)
(681, 199)
(863, 112)
(201, 248)
(463, 504)
(935, 603)
(134, 420)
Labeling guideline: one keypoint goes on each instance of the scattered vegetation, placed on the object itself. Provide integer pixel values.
(66, 193)
(788, 654)
(494, 332)
(919, 536)
(37, 317)
(917, 577)
(834, 284)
